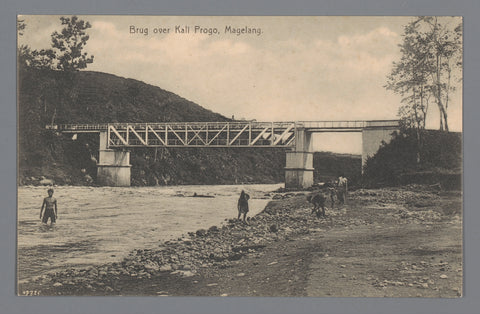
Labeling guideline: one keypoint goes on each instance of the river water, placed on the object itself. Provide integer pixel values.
(98, 225)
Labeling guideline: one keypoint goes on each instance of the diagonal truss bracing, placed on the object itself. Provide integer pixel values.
(201, 134)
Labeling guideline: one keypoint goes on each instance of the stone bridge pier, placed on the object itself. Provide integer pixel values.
(113, 168)
(299, 161)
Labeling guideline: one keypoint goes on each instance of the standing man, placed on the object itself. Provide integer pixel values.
(342, 189)
(243, 205)
(50, 205)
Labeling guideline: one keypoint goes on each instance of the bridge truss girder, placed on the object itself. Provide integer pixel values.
(201, 134)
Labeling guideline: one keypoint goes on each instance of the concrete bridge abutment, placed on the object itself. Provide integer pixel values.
(113, 167)
(299, 162)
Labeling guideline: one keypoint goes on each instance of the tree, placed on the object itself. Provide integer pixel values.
(409, 78)
(65, 55)
(39, 59)
(431, 57)
(69, 44)
(445, 57)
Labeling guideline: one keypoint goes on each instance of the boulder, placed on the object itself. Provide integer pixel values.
(165, 267)
(201, 232)
(150, 266)
(46, 182)
(213, 229)
(273, 228)
(183, 273)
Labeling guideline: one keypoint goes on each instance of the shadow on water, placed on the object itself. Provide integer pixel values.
(27, 223)
(33, 227)
(47, 228)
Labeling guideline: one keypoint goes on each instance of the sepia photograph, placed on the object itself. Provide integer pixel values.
(240, 156)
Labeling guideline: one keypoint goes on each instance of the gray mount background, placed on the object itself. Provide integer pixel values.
(11, 304)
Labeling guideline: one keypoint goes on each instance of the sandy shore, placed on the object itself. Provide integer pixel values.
(404, 242)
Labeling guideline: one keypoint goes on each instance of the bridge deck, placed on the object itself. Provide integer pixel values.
(215, 134)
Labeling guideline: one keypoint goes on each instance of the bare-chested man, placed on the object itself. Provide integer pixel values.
(50, 206)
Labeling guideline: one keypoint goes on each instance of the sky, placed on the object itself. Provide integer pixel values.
(284, 69)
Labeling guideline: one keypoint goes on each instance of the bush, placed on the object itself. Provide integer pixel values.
(396, 163)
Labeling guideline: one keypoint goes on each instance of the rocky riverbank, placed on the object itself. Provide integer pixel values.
(279, 251)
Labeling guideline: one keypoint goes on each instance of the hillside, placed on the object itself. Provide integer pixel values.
(46, 96)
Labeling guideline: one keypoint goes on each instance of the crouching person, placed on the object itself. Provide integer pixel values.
(318, 201)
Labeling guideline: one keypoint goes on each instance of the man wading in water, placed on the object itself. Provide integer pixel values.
(243, 205)
(50, 205)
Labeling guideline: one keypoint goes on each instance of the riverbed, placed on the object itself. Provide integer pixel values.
(98, 225)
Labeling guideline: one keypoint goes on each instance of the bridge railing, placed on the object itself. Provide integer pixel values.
(77, 127)
(382, 123)
(354, 124)
(162, 125)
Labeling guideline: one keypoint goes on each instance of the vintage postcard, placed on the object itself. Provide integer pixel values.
(314, 156)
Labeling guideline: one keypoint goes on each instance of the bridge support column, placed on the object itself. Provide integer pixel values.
(113, 168)
(299, 162)
(372, 140)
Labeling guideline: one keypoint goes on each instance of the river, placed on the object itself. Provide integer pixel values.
(98, 225)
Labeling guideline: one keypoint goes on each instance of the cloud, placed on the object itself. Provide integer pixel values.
(340, 79)
(375, 41)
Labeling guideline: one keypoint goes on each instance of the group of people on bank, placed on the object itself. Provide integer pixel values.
(335, 191)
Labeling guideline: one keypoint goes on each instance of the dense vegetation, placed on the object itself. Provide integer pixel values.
(396, 163)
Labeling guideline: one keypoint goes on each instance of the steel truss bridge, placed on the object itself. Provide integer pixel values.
(215, 134)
